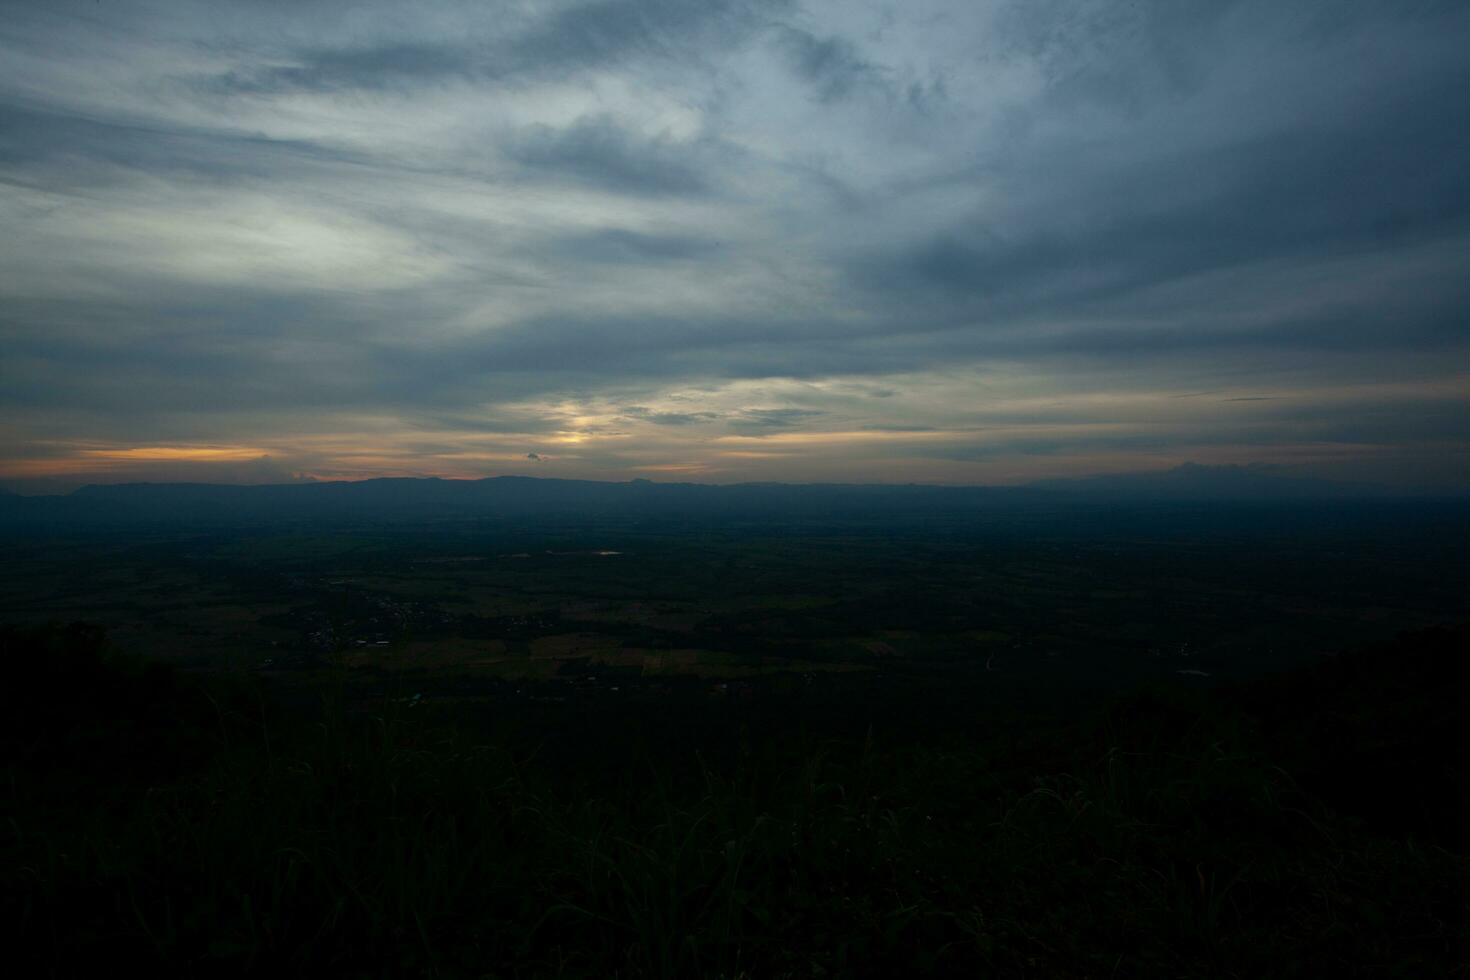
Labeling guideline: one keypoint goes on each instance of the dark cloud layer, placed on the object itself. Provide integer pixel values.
(832, 65)
(960, 242)
(597, 152)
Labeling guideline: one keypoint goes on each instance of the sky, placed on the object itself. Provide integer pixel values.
(944, 241)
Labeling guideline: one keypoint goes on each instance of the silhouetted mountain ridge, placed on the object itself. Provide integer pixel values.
(1198, 481)
(504, 496)
(429, 498)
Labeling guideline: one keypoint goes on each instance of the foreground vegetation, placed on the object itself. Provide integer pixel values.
(1305, 825)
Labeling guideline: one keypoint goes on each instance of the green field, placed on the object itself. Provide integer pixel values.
(740, 601)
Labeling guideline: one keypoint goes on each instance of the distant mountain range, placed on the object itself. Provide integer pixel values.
(505, 496)
(1194, 481)
(510, 496)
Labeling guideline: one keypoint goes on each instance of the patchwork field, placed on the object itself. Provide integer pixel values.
(1193, 594)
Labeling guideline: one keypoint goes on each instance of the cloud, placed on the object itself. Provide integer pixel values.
(840, 239)
(831, 65)
(598, 152)
(506, 46)
(758, 421)
(1390, 181)
(342, 69)
(624, 247)
(643, 414)
(608, 31)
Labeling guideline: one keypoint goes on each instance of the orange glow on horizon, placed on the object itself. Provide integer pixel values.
(81, 461)
(177, 454)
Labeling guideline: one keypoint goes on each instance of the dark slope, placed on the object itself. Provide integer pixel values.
(1304, 826)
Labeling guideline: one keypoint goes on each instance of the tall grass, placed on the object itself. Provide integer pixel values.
(1158, 838)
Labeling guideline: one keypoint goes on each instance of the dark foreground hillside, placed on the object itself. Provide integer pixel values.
(1305, 825)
